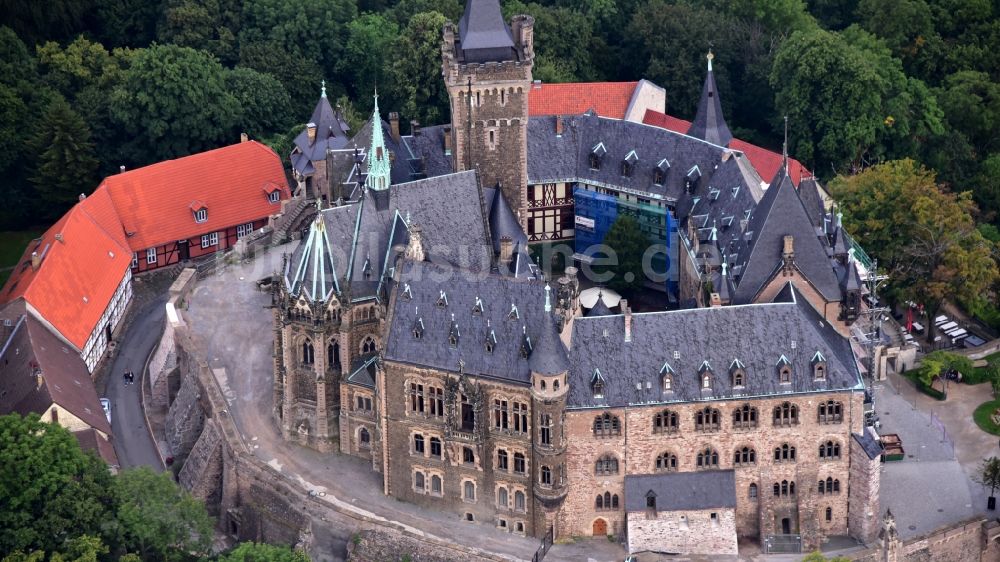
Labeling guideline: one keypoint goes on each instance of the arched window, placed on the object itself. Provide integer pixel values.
(599, 502)
(436, 484)
(418, 481)
(364, 438)
(333, 356)
(502, 497)
(519, 500)
(369, 345)
(665, 422)
(502, 459)
(707, 419)
(606, 425)
(666, 462)
(546, 476)
(418, 443)
(831, 412)
(607, 464)
(469, 491)
(784, 453)
(753, 491)
(708, 458)
(308, 356)
(836, 486)
(745, 456)
(829, 514)
(519, 463)
(614, 501)
(745, 416)
(786, 488)
(786, 414)
(829, 450)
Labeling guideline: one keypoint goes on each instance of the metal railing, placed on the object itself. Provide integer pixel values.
(543, 548)
(784, 544)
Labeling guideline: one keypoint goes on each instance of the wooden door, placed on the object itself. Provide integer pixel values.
(600, 528)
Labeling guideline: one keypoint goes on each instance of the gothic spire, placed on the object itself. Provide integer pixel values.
(709, 123)
(378, 155)
(548, 357)
(314, 274)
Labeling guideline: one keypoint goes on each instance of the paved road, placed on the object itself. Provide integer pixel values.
(133, 444)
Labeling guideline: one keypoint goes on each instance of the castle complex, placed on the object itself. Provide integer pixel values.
(413, 328)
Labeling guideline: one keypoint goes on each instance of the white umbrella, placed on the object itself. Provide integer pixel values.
(588, 297)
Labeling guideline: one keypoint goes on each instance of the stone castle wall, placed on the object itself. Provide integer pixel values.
(688, 532)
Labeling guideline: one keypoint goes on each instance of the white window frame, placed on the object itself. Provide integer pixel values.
(150, 255)
(274, 196)
(135, 260)
(244, 230)
(209, 240)
(201, 215)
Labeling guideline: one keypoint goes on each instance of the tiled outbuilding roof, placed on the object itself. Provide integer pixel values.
(154, 202)
(607, 99)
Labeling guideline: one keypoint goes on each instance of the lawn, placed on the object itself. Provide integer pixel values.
(982, 417)
(12, 245)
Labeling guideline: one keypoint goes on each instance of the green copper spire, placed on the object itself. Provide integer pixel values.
(378, 155)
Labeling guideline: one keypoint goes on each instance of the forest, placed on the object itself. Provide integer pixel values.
(87, 86)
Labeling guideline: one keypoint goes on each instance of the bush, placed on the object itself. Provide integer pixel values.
(923, 387)
(983, 416)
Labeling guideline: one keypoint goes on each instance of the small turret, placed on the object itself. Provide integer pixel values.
(548, 361)
(379, 166)
(709, 124)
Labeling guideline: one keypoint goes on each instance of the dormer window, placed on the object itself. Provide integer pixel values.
(525, 343)
(597, 383)
(819, 366)
(418, 328)
(454, 333)
(660, 172)
(784, 370)
(442, 300)
(274, 196)
(407, 293)
(596, 154)
(513, 314)
(667, 377)
(366, 269)
(491, 341)
(738, 373)
(477, 308)
(705, 375)
(200, 211)
(628, 164)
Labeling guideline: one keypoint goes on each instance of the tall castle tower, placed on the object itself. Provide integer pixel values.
(549, 370)
(487, 69)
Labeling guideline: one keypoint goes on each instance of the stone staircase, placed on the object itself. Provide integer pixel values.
(287, 221)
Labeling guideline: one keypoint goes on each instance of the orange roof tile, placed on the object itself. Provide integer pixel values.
(82, 265)
(155, 202)
(766, 162)
(608, 99)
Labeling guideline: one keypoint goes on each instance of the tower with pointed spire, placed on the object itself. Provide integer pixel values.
(308, 335)
(487, 67)
(549, 365)
(379, 166)
(709, 123)
(326, 130)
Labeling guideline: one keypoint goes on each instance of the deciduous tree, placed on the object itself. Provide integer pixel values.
(629, 245)
(417, 69)
(265, 107)
(260, 552)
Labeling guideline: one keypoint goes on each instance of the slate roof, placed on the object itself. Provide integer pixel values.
(868, 444)
(607, 99)
(154, 202)
(363, 372)
(681, 491)
(425, 156)
(32, 349)
(363, 234)
(418, 292)
(83, 261)
(548, 356)
(331, 134)
(809, 192)
(312, 272)
(766, 162)
(483, 34)
(599, 309)
(553, 158)
(758, 335)
(709, 122)
(779, 213)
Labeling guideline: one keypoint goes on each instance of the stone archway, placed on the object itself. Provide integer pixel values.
(600, 528)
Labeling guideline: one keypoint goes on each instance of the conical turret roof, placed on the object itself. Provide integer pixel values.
(709, 123)
(548, 356)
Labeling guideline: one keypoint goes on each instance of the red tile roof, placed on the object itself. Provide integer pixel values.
(83, 260)
(608, 99)
(766, 162)
(155, 202)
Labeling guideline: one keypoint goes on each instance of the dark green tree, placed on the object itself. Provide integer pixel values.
(971, 103)
(65, 164)
(629, 245)
(301, 76)
(35, 22)
(260, 552)
(125, 23)
(84, 548)
(50, 490)
(367, 59)
(210, 25)
(403, 12)
(564, 41)
(173, 102)
(157, 519)
(265, 107)
(417, 69)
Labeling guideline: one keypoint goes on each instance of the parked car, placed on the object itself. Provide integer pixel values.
(106, 406)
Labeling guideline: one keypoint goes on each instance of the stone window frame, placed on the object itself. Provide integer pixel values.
(363, 402)
(785, 414)
(491, 137)
(746, 417)
(707, 419)
(745, 456)
(829, 514)
(607, 424)
(432, 438)
(306, 351)
(429, 397)
(475, 456)
(666, 462)
(607, 502)
(785, 488)
(545, 476)
(440, 476)
(524, 460)
(369, 344)
(419, 475)
(707, 458)
(666, 421)
(519, 527)
(829, 450)
(752, 491)
(502, 491)
(785, 453)
(830, 412)
(607, 465)
(519, 490)
(510, 414)
(830, 486)
(464, 489)
(357, 438)
(506, 459)
(418, 443)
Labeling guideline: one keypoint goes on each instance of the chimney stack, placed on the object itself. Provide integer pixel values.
(559, 125)
(81, 197)
(311, 132)
(415, 249)
(244, 137)
(121, 169)
(415, 128)
(447, 140)
(623, 304)
(59, 237)
(788, 252)
(36, 260)
(394, 125)
(506, 249)
(715, 300)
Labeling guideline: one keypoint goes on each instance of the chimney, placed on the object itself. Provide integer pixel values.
(415, 249)
(788, 253)
(59, 237)
(81, 197)
(244, 137)
(36, 260)
(559, 125)
(447, 140)
(536, 85)
(121, 169)
(311, 132)
(715, 300)
(506, 249)
(415, 128)
(394, 125)
(623, 304)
